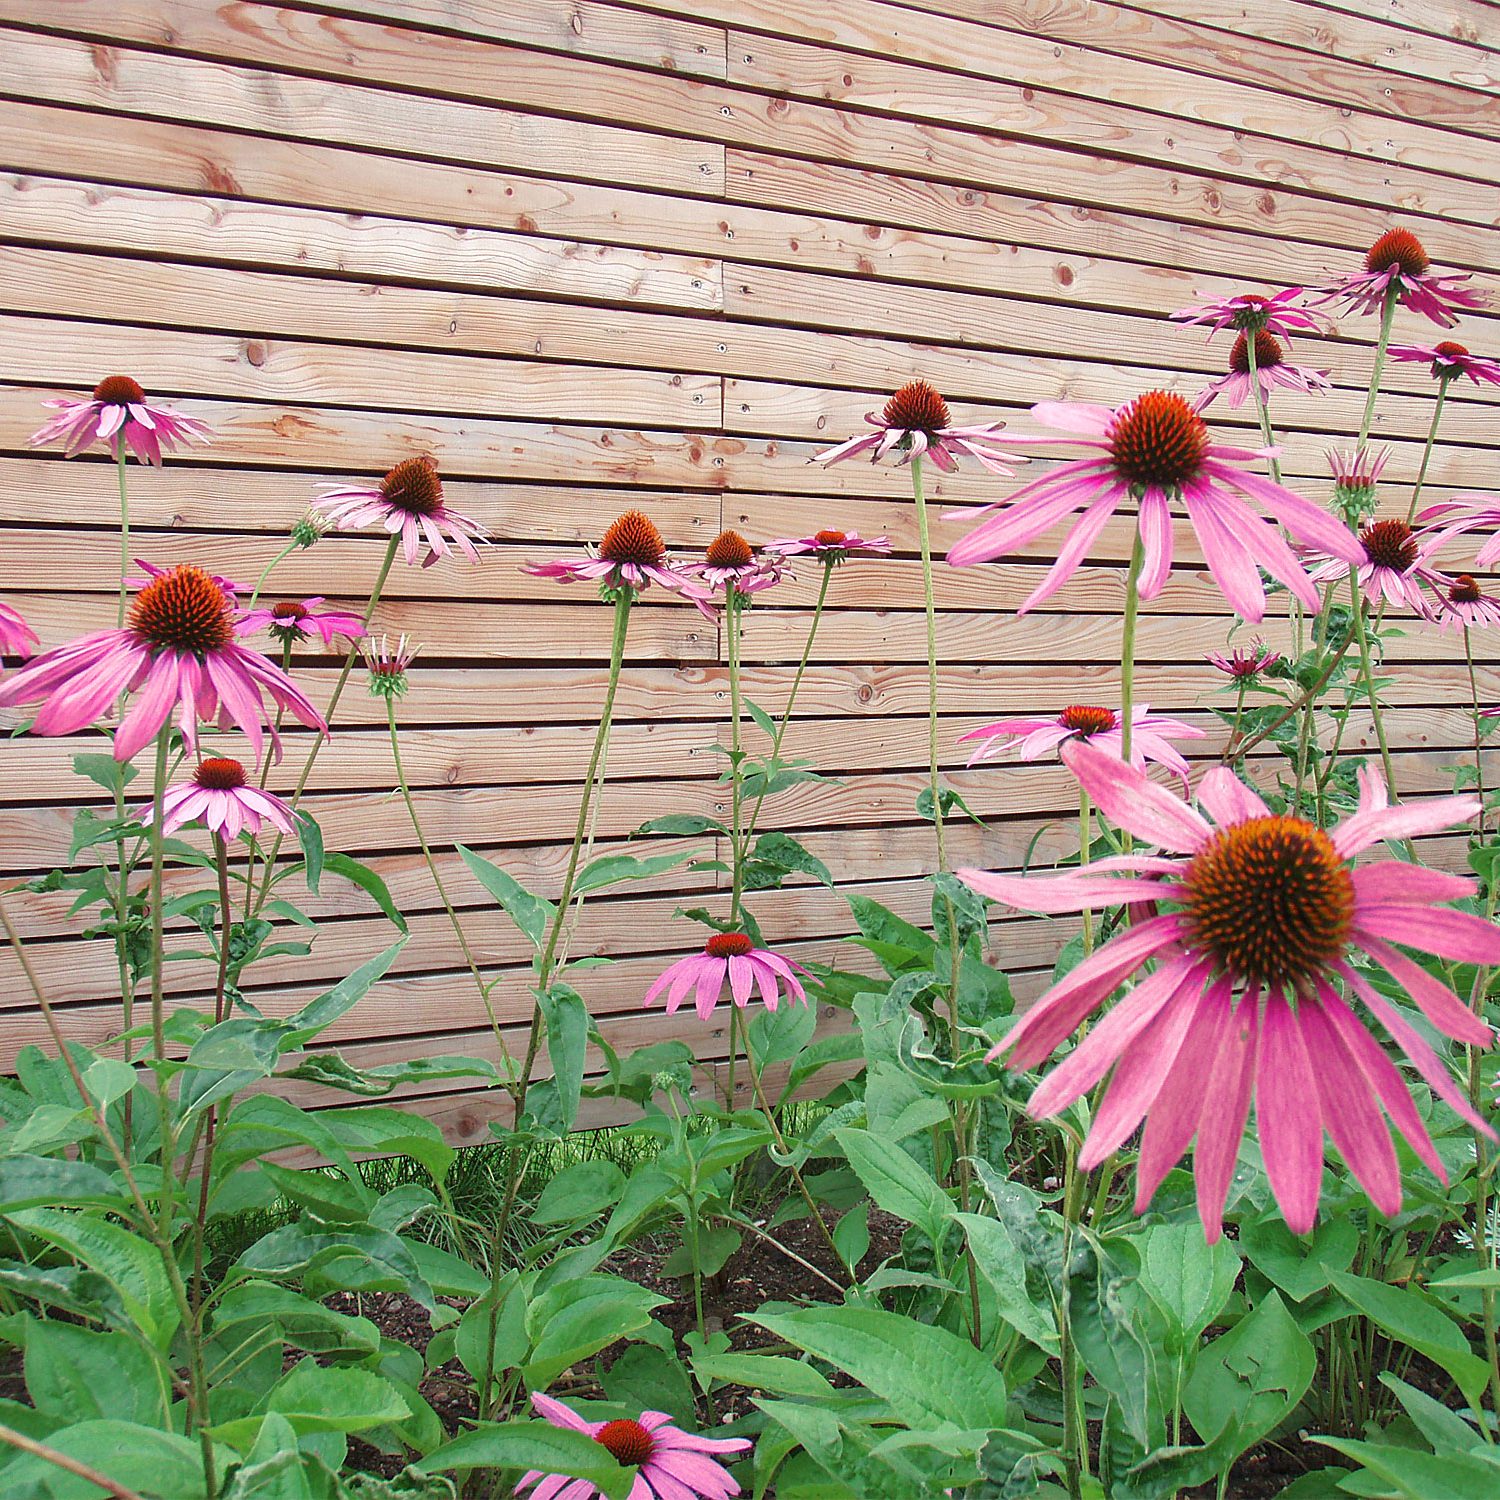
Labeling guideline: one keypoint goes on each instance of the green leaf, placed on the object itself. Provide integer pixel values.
(317, 1398)
(896, 1182)
(532, 1445)
(611, 869)
(368, 881)
(682, 824)
(567, 1019)
(31, 1181)
(156, 1465)
(296, 1320)
(785, 853)
(328, 1196)
(334, 1071)
(579, 1192)
(764, 721)
(577, 1318)
(1000, 1262)
(105, 771)
(310, 838)
(763, 1372)
(1186, 1277)
(1422, 1476)
(532, 914)
(318, 1015)
(1300, 1265)
(78, 1375)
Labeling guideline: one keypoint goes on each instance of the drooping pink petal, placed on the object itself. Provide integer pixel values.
(1410, 820)
(1433, 929)
(1228, 799)
(1288, 1115)
(1052, 894)
(1129, 798)
(1394, 882)
(1435, 1000)
(1226, 1105)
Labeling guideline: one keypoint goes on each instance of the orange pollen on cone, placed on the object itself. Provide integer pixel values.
(917, 407)
(1084, 719)
(414, 487)
(1268, 352)
(831, 538)
(184, 610)
(728, 945)
(289, 610)
(1464, 590)
(1158, 441)
(1450, 349)
(119, 390)
(1390, 544)
(220, 774)
(1272, 900)
(626, 1440)
(1398, 247)
(729, 550)
(633, 538)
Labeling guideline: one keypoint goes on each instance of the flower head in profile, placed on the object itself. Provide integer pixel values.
(1448, 360)
(1245, 663)
(631, 555)
(1356, 477)
(295, 620)
(1460, 604)
(1034, 738)
(387, 665)
(118, 412)
(220, 797)
(1395, 566)
(1272, 370)
(1398, 264)
(408, 503)
(17, 638)
(1252, 313)
(671, 1464)
(729, 956)
(1257, 918)
(831, 546)
(175, 655)
(1156, 450)
(731, 565)
(916, 423)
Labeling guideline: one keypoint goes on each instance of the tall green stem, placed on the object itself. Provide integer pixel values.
(125, 558)
(1437, 416)
(1262, 406)
(1387, 314)
(732, 623)
(930, 603)
(270, 567)
(1478, 728)
(1367, 671)
(1075, 1424)
(1127, 645)
(1085, 848)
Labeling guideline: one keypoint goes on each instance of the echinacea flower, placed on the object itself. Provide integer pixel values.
(1256, 915)
(1448, 361)
(1460, 604)
(1271, 370)
(830, 546)
(916, 423)
(731, 956)
(1250, 312)
(175, 653)
(671, 1464)
(1397, 263)
(407, 503)
(632, 555)
(220, 797)
(1036, 737)
(293, 620)
(731, 565)
(1245, 663)
(1156, 449)
(118, 409)
(1394, 565)
(1355, 477)
(388, 665)
(17, 638)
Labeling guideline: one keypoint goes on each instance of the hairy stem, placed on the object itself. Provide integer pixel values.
(1437, 416)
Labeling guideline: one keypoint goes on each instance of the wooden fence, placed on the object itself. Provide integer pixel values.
(592, 255)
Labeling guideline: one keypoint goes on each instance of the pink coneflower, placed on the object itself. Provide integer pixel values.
(1458, 517)
(17, 638)
(672, 1464)
(1460, 604)
(388, 665)
(1448, 360)
(1397, 261)
(1394, 565)
(1034, 738)
(292, 621)
(915, 423)
(176, 652)
(632, 555)
(731, 563)
(1271, 371)
(1249, 312)
(830, 546)
(118, 407)
(220, 797)
(408, 503)
(731, 956)
(1157, 450)
(1255, 917)
(1245, 663)
(149, 572)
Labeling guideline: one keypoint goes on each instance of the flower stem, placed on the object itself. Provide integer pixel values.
(1262, 405)
(1075, 1425)
(1127, 645)
(932, 671)
(266, 572)
(737, 851)
(1437, 416)
(1085, 847)
(1367, 671)
(124, 523)
(1387, 314)
(1478, 728)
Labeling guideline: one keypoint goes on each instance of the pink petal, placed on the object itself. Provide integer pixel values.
(1060, 893)
(1394, 882)
(1228, 799)
(1127, 797)
(1370, 825)
(1436, 1001)
(1226, 1104)
(1433, 929)
(1287, 1111)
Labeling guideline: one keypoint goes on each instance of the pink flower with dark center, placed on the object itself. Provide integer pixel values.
(916, 423)
(1156, 450)
(1250, 312)
(17, 638)
(407, 503)
(1460, 604)
(1271, 371)
(730, 562)
(830, 546)
(1449, 360)
(731, 956)
(1394, 566)
(672, 1464)
(294, 620)
(175, 654)
(1257, 916)
(1245, 663)
(1398, 261)
(1034, 738)
(632, 555)
(118, 408)
(1458, 517)
(220, 797)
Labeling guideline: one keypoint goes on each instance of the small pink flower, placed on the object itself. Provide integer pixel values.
(118, 409)
(1245, 663)
(17, 638)
(730, 562)
(176, 652)
(222, 800)
(830, 546)
(1271, 371)
(292, 621)
(632, 555)
(407, 503)
(1394, 566)
(1397, 261)
(1449, 360)
(1460, 604)
(672, 1464)
(731, 956)
(1034, 738)
(1249, 312)
(914, 424)
(1156, 450)
(1257, 915)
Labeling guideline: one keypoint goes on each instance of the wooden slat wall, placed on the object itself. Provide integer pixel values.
(594, 254)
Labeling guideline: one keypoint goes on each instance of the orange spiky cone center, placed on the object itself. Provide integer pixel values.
(1397, 247)
(413, 486)
(917, 407)
(633, 538)
(1464, 590)
(119, 390)
(1085, 719)
(1268, 352)
(729, 550)
(220, 774)
(184, 610)
(626, 1440)
(1158, 441)
(1450, 349)
(728, 945)
(1390, 544)
(831, 538)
